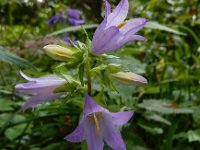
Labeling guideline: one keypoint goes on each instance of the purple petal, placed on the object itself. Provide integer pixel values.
(111, 134)
(94, 141)
(39, 99)
(132, 38)
(100, 41)
(119, 14)
(74, 13)
(91, 106)
(77, 135)
(39, 85)
(41, 89)
(133, 26)
(75, 22)
(108, 9)
(121, 118)
(53, 20)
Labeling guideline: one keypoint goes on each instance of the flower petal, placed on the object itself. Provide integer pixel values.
(119, 13)
(38, 99)
(133, 38)
(75, 22)
(35, 88)
(121, 118)
(133, 26)
(77, 135)
(108, 10)
(74, 13)
(111, 134)
(91, 106)
(100, 41)
(94, 141)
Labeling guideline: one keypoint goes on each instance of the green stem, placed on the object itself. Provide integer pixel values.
(89, 85)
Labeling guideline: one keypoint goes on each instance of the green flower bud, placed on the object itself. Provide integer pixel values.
(129, 78)
(58, 52)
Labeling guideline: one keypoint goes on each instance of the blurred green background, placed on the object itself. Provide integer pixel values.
(167, 110)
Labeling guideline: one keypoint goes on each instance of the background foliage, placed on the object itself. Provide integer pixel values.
(167, 110)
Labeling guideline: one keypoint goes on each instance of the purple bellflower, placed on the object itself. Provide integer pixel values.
(98, 125)
(56, 18)
(41, 89)
(74, 17)
(114, 31)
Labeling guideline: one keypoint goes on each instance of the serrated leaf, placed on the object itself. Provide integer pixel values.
(157, 26)
(13, 59)
(164, 107)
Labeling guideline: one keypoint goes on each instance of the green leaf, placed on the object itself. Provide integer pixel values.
(156, 117)
(52, 146)
(5, 105)
(164, 107)
(155, 25)
(72, 29)
(152, 130)
(13, 59)
(193, 135)
(15, 131)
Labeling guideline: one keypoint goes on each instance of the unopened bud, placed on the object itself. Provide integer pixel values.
(129, 78)
(58, 52)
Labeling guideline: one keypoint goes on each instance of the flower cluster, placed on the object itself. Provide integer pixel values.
(97, 125)
(73, 16)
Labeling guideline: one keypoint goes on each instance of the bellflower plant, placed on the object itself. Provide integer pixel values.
(41, 89)
(83, 64)
(98, 125)
(114, 31)
(74, 17)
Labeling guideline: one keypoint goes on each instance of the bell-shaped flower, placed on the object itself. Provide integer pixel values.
(98, 125)
(74, 17)
(114, 31)
(56, 18)
(41, 89)
(129, 78)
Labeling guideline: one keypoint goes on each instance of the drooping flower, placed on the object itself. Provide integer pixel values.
(114, 32)
(98, 125)
(56, 18)
(129, 78)
(74, 17)
(41, 89)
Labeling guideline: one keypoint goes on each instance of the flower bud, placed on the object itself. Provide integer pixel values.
(58, 52)
(129, 78)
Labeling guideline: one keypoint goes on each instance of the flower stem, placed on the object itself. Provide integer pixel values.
(88, 77)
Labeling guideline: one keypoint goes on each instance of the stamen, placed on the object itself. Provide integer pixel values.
(122, 24)
(95, 118)
(96, 124)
